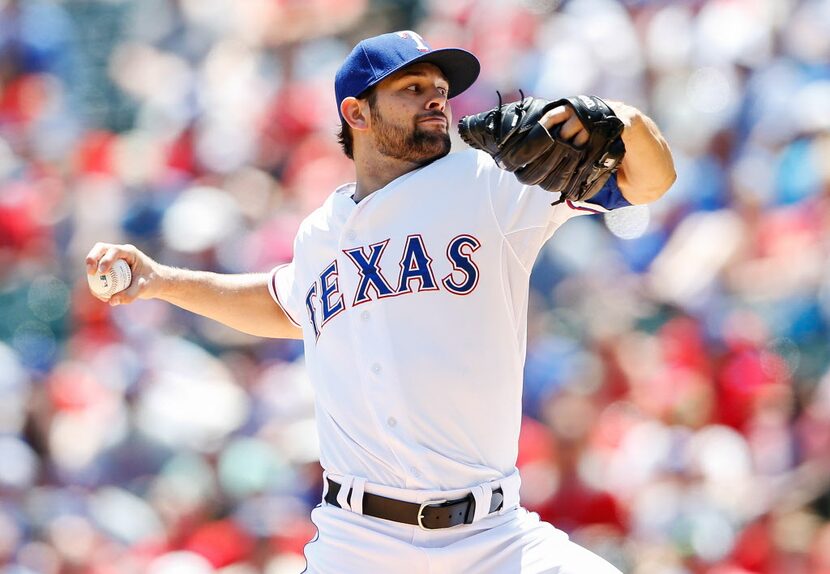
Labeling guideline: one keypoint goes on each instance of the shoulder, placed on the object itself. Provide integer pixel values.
(468, 163)
(471, 158)
(320, 218)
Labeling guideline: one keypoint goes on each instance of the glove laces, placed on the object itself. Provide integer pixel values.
(520, 110)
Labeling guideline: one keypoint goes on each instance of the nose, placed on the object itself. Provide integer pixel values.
(438, 100)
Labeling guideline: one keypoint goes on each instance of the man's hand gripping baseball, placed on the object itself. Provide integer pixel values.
(145, 272)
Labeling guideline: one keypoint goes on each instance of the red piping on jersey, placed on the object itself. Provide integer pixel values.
(580, 208)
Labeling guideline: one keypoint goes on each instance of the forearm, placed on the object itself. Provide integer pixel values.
(647, 170)
(241, 302)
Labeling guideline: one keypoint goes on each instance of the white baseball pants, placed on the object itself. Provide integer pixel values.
(513, 541)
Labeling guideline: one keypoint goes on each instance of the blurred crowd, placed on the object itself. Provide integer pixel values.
(677, 388)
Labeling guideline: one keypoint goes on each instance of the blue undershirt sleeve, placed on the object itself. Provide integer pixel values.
(610, 196)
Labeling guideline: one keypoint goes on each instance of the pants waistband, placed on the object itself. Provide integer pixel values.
(352, 488)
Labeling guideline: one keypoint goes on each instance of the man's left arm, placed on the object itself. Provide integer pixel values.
(647, 170)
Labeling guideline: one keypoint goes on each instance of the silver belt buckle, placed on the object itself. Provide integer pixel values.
(421, 512)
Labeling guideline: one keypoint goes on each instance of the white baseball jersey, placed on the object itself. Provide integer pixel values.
(413, 306)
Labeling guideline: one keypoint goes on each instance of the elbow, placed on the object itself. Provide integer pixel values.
(642, 193)
(649, 170)
(665, 185)
(668, 174)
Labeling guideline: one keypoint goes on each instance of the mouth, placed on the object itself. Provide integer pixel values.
(437, 120)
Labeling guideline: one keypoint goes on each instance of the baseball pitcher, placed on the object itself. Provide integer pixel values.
(409, 288)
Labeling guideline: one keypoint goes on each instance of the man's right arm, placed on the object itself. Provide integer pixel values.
(241, 302)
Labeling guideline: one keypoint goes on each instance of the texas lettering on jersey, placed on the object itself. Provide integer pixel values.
(325, 300)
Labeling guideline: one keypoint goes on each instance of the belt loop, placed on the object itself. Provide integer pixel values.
(510, 486)
(482, 495)
(325, 484)
(358, 488)
(345, 490)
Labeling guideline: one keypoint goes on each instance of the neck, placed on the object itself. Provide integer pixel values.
(378, 173)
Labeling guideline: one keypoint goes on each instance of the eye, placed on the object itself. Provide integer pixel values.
(413, 88)
(443, 91)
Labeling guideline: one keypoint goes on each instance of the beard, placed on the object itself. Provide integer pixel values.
(414, 144)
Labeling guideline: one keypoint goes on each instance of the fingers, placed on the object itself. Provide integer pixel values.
(93, 256)
(107, 259)
(571, 130)
(580, 137)
(555, 116)
(130, 294)
(102, 255)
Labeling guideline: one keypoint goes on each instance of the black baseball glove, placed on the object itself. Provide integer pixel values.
(512, 134)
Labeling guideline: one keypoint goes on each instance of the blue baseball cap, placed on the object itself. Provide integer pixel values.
(375, 58)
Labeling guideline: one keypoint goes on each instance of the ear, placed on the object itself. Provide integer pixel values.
(355, 112)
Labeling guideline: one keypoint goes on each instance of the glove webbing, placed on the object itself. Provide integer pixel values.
(517, 121)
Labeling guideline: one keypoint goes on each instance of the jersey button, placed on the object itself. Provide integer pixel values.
(365, 315)
(351, 235)
(392, 422)
(415, 472)
(376, 368)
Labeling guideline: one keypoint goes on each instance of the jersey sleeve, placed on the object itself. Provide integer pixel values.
(525, 215)
(281, 286)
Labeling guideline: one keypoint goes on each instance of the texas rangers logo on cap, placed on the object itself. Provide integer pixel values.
(419, 40)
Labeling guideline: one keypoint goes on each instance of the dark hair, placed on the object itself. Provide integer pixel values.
(344, 137)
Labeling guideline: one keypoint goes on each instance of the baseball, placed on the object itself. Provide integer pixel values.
(108, 284)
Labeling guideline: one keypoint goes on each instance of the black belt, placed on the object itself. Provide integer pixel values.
(428, 515)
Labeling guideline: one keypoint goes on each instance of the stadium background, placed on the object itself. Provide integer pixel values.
(677, 389)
